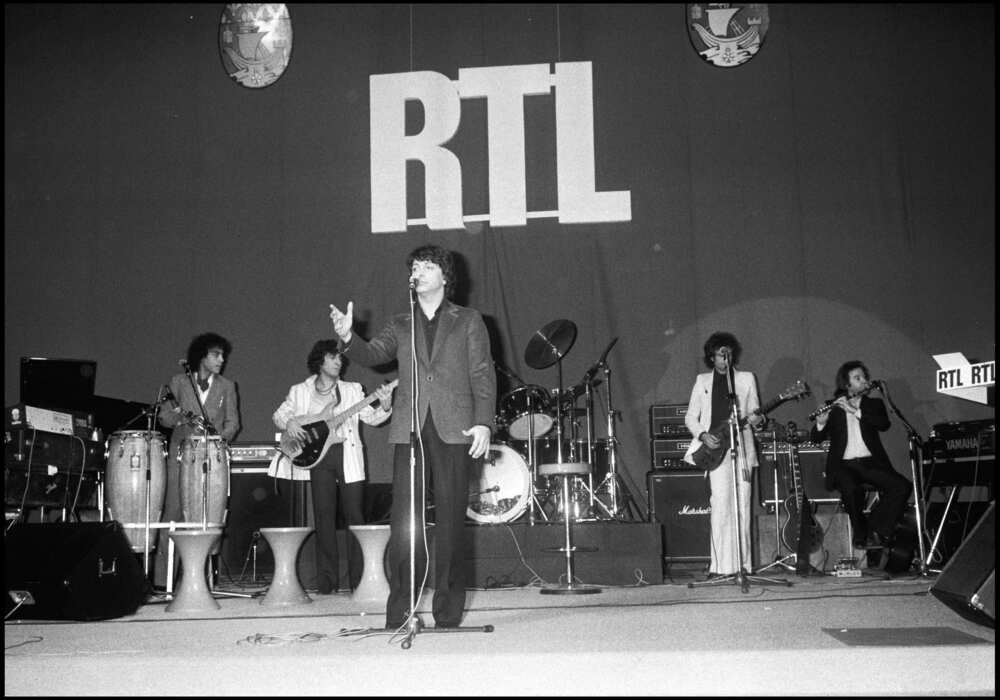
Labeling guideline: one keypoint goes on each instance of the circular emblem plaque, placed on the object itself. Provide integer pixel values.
(255, 42)
(727, 34)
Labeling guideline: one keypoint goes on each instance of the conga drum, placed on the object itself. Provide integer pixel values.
(127, 454)
(198, 452)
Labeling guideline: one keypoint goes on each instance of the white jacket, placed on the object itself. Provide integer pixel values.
(699, 413)
(297, 404)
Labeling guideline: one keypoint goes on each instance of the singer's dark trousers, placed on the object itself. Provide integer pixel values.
(894, 491)
(449, 467)
(326, 477)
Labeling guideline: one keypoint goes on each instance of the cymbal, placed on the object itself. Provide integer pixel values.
(550, 344)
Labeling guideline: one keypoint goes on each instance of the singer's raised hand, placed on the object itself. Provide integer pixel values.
(343, 322)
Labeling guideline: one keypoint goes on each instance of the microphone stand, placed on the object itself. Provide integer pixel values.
(737, 451)
(915, 445)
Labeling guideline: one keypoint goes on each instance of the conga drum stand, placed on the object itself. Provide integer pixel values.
(374, 586)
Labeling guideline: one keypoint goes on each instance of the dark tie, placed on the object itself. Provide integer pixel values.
(203, 384)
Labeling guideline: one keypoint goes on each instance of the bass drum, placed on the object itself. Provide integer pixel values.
(499, 487)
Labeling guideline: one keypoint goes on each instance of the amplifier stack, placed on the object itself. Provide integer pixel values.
(669, 437)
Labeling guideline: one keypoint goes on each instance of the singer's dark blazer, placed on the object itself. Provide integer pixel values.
(220, 406)
(456, 381)
(874, 419)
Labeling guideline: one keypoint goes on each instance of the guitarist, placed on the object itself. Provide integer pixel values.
(852, 424)
(343, 464)
(707, 418)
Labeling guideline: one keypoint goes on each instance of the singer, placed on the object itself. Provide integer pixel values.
(707, 417)
(857, 457)
(206, 358)
(456, 400)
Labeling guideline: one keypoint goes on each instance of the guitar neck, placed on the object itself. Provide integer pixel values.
(338, 419)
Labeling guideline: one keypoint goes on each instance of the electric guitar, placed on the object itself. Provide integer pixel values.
(800, 533)
(708, 458)
(320, 430)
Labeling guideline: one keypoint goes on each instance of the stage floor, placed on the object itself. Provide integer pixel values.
(821, 636)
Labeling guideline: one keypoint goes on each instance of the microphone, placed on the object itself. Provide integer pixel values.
(184, 364)
(875, 383)
(167, 396)
(413, 282)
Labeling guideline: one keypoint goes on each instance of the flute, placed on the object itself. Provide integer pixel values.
(832, 402)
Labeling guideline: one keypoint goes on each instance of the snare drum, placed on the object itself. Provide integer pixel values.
(127, 453)
(194, 452)
(499, 487)
(527, 407)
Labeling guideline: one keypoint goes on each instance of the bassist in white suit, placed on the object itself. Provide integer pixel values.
(343, 464)
(707, 419)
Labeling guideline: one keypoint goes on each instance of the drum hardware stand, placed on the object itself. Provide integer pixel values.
(736, 450)
(621, 507)
(916, 445)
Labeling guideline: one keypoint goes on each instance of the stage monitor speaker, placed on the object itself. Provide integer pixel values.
(967, 583)
(71, 571)
(680, 502)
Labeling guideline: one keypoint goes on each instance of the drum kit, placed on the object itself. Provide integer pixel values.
(539, 427)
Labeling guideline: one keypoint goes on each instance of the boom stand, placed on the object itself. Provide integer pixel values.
(915, 444)
(737, 450)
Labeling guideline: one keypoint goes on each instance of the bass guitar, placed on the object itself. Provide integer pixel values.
(708, 458)
(800, 533)
(320, 429)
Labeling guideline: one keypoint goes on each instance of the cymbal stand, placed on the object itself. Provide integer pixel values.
(622, 504)
(779, 560)
(737, 452)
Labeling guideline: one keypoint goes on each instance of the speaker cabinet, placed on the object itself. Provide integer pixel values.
(71, 571)
(255, 501)
(679, 501)
(967, 583)
(812, 467)
(836, 543)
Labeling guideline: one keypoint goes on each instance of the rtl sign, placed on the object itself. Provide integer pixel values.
(504, 88)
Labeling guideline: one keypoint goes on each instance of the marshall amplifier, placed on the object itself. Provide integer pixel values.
(679, 501)
(667, 421)
(669, 454)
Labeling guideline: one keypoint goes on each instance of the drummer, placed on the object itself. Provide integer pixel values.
(206, 357)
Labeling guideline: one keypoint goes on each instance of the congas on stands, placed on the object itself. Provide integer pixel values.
(499, 487)
(127, 453)
(197, 452)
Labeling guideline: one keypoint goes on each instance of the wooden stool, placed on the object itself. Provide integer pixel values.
(193, 594)
(374, 586)
(285, 587)
(566, 471)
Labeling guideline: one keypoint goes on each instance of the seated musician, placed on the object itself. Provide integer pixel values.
(856, 457)
(344, 461)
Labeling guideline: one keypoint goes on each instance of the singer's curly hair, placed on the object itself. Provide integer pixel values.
(318, 354)
(844, 372)
(440, 257)
(202, 344)
(721, 339)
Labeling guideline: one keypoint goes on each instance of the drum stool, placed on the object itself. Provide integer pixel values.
(566, 471)
(193, 593)
(285, 588)
(374, 586)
